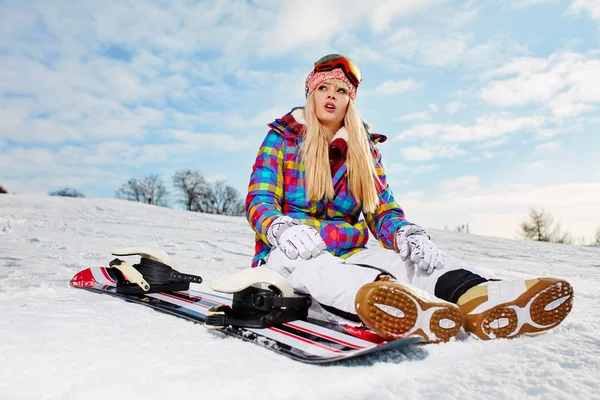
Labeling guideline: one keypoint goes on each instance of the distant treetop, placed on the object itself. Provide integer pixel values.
(66, 192)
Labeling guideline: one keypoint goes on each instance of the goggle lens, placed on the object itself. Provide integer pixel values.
(333, 61)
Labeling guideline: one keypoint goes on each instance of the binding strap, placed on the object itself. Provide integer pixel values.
(257, 308)
(130, 273)
(156, 272)
(152, 276)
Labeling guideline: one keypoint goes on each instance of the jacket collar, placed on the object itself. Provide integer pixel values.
(291, 126)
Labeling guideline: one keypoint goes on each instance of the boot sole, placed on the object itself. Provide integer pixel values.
(543, 306)
(394, 311)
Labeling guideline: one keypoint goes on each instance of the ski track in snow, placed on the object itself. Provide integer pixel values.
(62, 343)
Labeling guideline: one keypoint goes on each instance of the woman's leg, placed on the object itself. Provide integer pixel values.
(389, 308)
(328, 279)
(491, 308)
(448, 283)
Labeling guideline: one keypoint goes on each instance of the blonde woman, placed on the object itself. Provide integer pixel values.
(318, 187)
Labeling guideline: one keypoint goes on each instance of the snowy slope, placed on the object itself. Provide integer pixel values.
(61, 343)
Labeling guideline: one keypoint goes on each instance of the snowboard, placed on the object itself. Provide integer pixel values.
(300, 340)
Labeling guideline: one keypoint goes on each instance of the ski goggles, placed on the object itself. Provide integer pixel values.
(333, 61)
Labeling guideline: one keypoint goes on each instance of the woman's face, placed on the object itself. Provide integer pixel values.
(331, 103)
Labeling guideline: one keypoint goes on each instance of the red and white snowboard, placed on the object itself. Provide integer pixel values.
(300, 340)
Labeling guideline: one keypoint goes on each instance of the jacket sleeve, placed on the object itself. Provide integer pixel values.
(265, 190)
(389, 216)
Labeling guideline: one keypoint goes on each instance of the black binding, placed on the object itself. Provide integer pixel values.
(258, 308)
(160, 277)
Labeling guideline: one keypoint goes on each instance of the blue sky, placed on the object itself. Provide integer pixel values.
(490, 107)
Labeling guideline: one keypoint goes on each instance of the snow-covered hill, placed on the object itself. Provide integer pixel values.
(61, 343)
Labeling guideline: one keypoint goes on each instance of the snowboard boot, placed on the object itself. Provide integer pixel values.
(505, 309)
(393, 310)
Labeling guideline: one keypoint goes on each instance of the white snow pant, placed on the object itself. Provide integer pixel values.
(334, 282)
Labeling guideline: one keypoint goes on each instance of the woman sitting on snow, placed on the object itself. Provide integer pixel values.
(317, 171)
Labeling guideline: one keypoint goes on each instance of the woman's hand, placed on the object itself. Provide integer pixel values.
(413, 242)
(295, 239)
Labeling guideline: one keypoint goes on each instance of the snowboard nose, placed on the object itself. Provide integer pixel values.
(83, 278)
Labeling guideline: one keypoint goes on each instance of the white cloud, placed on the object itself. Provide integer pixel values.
(433, 107)
(193, 141)
(22, 162)
(418, 153)
(266, 116)
(453, 107)
(548, 146)
(395, 182)
(568, 84)
(430, 152)
(313, 22)
(444, 51)
(462, 183)
(416, 116)
(538, 165)
(486, 128)
(414, 196)
(436, 50)
(592, 7)
(573, 43)
(384, 12)
(255, 78)
(402, 169)
(525, 3)
(423, 131)
(490, 144)
(394, 87)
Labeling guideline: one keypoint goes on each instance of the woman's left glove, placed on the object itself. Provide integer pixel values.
(413, 242)
(295, 239)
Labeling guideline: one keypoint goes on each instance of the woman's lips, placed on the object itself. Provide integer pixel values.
(330, 107)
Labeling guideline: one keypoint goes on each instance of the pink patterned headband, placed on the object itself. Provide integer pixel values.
(314, 79)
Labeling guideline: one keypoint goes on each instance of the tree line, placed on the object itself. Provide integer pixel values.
(195, 193)
(192, 191)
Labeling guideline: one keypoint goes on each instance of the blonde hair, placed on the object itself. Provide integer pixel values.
(362, 175)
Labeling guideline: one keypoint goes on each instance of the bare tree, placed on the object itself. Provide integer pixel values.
(131, 190)
(149, 189)
(227, 199)
(191, 185)
(597, 238)
(219, 199)
(561, 237)
(2, 190)
(540, 227)
(204, 202)
(66, 192)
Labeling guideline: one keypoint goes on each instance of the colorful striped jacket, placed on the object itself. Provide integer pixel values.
(276, 189)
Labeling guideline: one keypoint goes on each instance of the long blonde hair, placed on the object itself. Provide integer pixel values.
(362, 175)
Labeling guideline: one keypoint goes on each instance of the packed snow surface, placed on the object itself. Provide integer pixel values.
(58, 342)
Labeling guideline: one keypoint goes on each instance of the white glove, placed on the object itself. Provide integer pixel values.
(412, 241)
(295, 239)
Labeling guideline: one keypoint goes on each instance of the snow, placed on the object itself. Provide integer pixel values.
(58, 342)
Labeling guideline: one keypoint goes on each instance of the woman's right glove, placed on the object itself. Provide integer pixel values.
(295, 239)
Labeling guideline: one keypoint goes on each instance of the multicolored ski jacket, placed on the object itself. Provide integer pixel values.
(276, 189)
